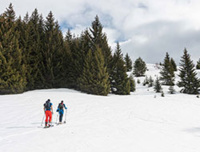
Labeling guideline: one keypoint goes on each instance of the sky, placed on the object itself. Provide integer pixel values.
(144, 28)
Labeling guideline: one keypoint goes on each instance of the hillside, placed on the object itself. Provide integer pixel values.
(138, 122)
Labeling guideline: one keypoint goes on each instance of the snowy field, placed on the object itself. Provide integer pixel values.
(141, 122)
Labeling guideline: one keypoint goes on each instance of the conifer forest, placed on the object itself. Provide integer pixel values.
(34, 54)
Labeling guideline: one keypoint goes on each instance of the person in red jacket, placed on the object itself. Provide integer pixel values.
(48, 110)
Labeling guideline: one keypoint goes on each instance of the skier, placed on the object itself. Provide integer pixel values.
(60, 109)
(48, 110)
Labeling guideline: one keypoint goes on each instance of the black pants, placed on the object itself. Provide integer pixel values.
(61, 116)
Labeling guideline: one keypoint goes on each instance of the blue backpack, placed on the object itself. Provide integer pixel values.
(47, 105)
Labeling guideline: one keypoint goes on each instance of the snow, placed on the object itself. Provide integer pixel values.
(139, 122)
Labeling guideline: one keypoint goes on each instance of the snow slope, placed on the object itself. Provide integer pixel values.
(136, 123)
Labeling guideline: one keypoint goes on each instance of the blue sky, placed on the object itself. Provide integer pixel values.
(144, 28)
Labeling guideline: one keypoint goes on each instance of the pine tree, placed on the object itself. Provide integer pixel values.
(146, 81)
(77, 60)
(95, 79)
(173, 64)
(198, 64)
(150, 82)
(167, 71)
(139, 67)
(128, 62)
(132, 84)
(12, 71)
(119, 78)
(157, 86)
(171, 89)
(33, 50)
(52, 54)
(188, 77)
(98, 38)
(85, 80)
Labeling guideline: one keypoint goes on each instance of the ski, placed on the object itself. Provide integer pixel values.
(49, 126)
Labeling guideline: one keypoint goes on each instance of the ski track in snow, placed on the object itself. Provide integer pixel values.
(139, 122)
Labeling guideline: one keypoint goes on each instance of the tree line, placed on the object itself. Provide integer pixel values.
(34, 54)
(188, 80)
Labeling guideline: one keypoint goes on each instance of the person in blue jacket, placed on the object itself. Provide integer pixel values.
(60, 109)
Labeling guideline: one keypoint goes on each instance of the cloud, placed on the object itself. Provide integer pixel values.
(157, 38)
(145, 28)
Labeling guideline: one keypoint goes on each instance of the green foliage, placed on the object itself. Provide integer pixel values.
(139, 67)
(132, 84)
(94, 79)
(162, 94)
(34, 55)
(98, 38)
(146, 81)
(157, 86)
(128, 62)
(188, 77)
(167, 71)
(119, 79)
(173, 64)
(151, 81)
(12, 69)
(198, 65)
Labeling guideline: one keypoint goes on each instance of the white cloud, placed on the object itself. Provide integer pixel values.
(146, 28)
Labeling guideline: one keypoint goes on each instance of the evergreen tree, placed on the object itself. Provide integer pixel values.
(167, 71)
(157, 86)
(77, 59)
(132, 83)
(146, 81)
(12, 71)
(33, 50)
(98, 38)
(150, 82)
(173, 64)
(139, 67)
(198, 64)
(188, 77)
(119, 78)
(95, 79)
(52, 54)
(171, 89)
(128, 63)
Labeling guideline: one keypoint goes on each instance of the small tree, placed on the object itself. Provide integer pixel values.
(150, 82)
(139, 67)
(171, 89)
(146, 81)
(132, 83)
(119, 78)
(128, 63)
(162, 94)
(167, 71)
(173, 64)
(188, 77)
(157, 86)
(198, 64)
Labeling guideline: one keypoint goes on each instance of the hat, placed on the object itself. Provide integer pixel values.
(62, 101)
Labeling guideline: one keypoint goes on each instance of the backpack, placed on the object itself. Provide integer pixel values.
(61, 106)
(47, 105)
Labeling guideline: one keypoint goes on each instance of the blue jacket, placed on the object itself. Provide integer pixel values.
(61, 111)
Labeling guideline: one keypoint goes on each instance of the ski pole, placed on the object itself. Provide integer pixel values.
(65, 116)
(57, 118)
(42, 120)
